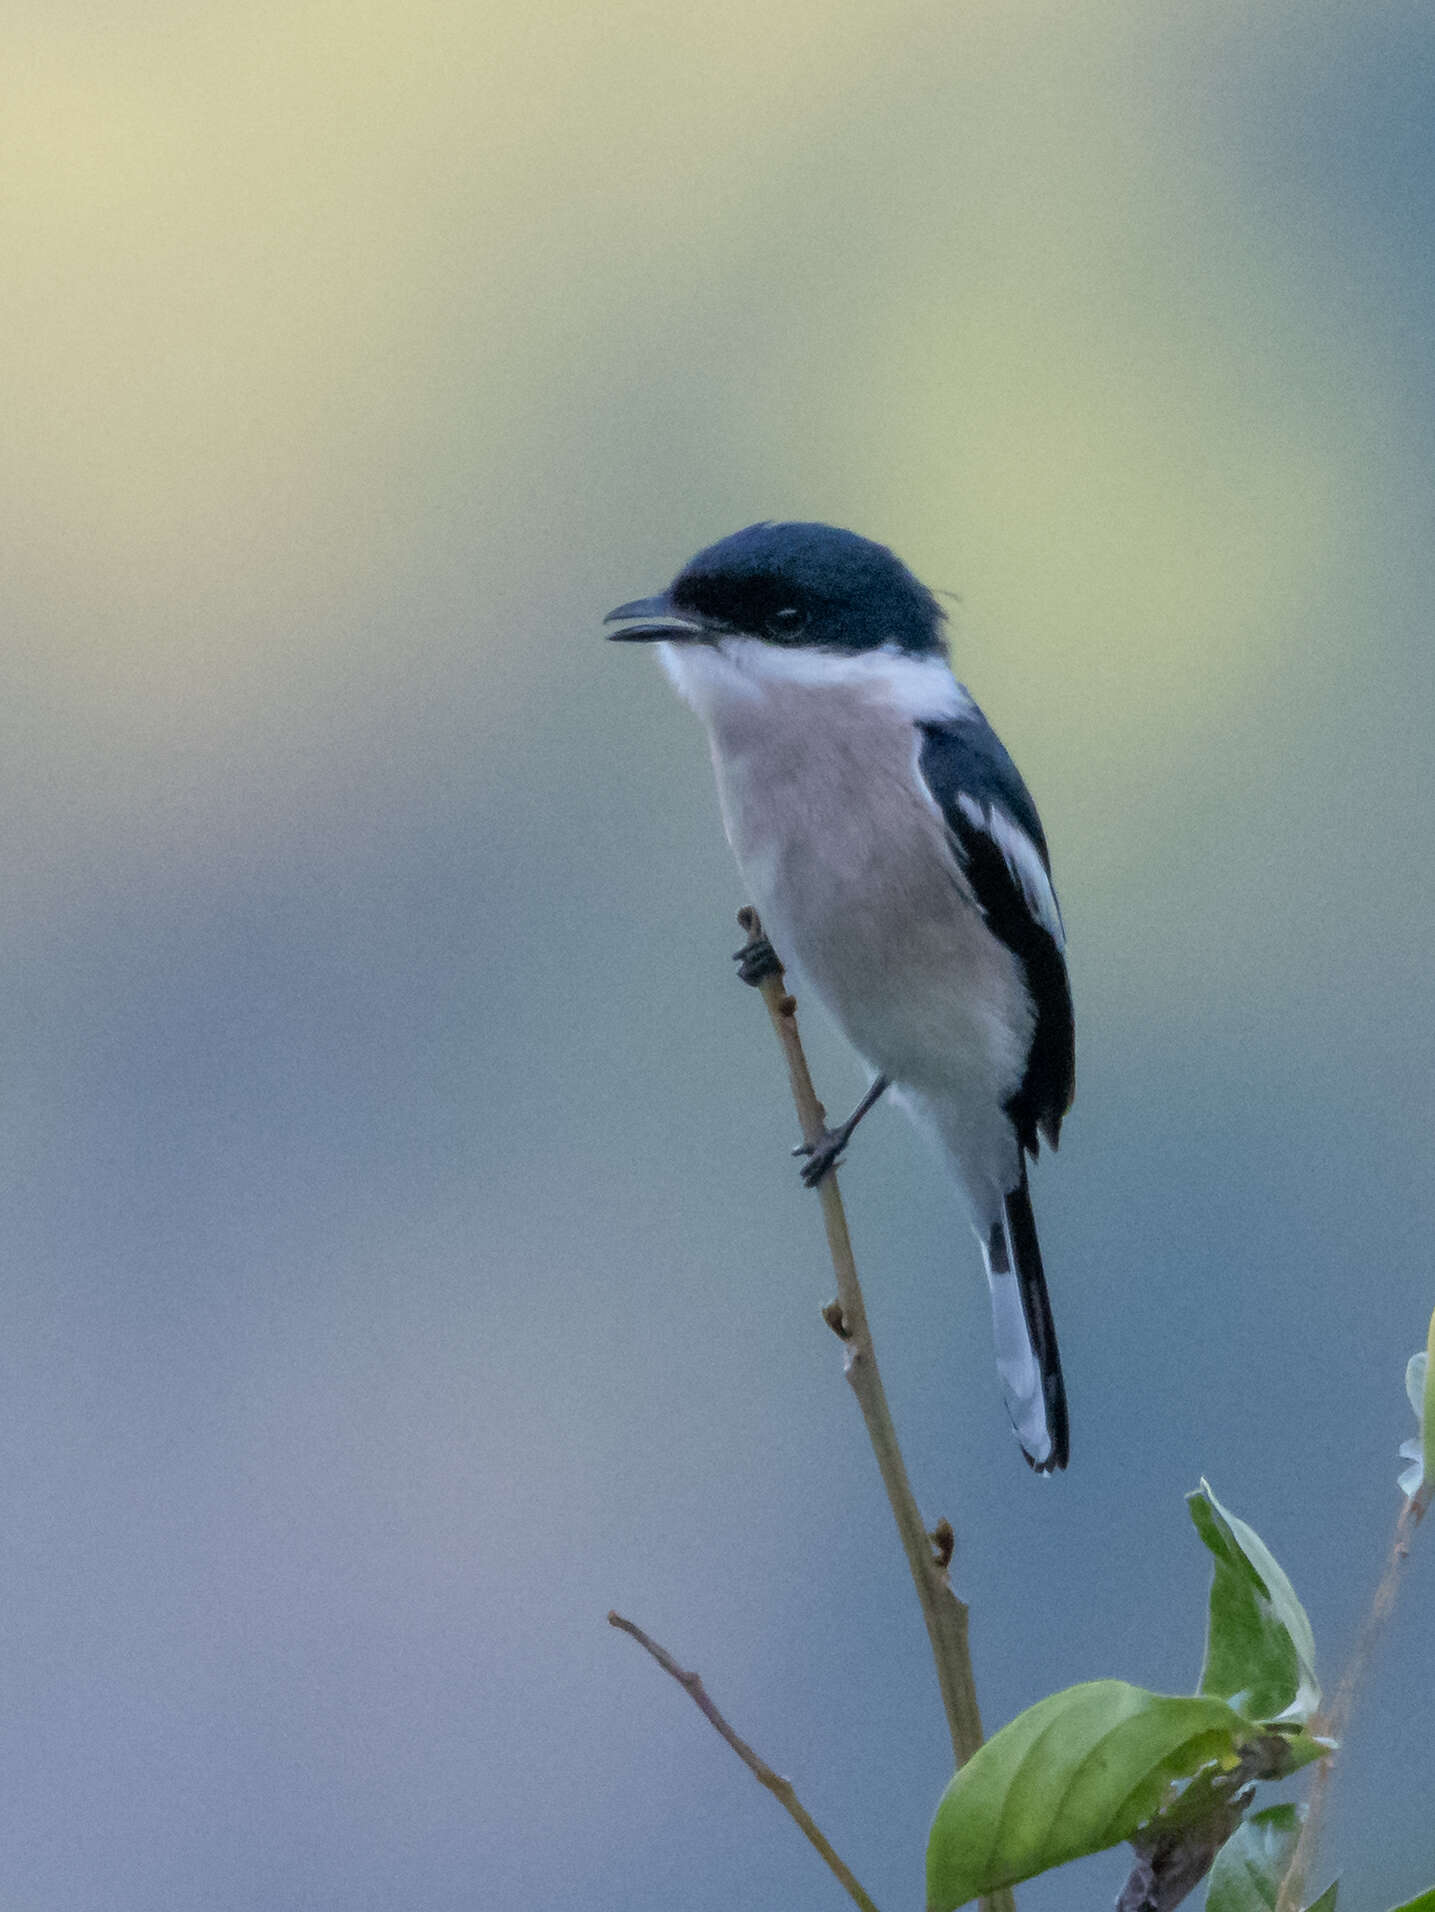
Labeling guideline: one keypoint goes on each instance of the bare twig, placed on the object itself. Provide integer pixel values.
(781, 1789)
(944, 1613)
(1335, 1721)
(927, 1557)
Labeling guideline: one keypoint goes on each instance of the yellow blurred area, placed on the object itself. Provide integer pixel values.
(268, 265)
(231, 237)
(1137, 535)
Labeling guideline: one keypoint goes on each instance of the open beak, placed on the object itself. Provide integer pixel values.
(650, 620)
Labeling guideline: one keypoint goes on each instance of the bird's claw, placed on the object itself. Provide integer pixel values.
(822, 1155)
(755, 960)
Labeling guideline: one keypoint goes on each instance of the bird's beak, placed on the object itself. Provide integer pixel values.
(650, 620)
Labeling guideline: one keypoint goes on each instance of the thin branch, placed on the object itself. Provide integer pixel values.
(1334, 1723)
(927, 1557)
(944, 1613)
(781, 1789)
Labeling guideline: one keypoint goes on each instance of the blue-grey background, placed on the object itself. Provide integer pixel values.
(403, 1264)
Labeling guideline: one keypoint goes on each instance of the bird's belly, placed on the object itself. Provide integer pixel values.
(850, 867)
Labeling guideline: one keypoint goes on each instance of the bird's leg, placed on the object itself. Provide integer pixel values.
(823, 1154)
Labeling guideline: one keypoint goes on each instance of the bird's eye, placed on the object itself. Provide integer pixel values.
(786, 624)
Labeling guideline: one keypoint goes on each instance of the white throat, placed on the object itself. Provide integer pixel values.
(714, 678)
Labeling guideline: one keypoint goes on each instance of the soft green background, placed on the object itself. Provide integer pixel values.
(403, 1263)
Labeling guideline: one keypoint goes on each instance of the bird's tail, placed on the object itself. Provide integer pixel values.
(1027, 1357)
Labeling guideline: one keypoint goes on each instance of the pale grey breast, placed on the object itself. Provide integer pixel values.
(850, 865)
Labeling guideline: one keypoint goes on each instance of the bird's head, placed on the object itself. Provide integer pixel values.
(791, 585)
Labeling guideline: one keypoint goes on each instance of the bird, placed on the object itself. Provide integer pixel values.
(896, 857)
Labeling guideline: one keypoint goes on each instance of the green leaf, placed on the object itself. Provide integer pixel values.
(1300, 1749)
(1077, 1772)
(1326, 1901)
(1425, 1903)
(1251, 1864)
(1260, 1651)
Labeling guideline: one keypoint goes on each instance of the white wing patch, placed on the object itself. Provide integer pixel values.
(1023, 859)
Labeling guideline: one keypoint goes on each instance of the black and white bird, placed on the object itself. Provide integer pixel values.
(894, 855)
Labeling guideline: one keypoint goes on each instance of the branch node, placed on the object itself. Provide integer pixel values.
(837, 1321)
(944, 1543)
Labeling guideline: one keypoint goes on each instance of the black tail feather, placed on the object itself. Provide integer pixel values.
(1036, 1303)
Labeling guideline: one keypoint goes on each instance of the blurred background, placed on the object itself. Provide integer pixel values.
(403, 1259)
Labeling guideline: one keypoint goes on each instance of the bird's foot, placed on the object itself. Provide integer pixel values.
(756, 960)
(822, 1155)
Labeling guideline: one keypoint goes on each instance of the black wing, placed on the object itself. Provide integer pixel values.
(998, 839)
